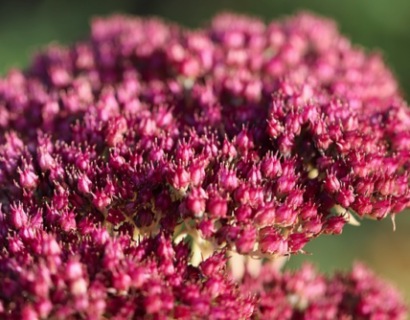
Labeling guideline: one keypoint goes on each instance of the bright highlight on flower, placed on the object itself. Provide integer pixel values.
(242, 137)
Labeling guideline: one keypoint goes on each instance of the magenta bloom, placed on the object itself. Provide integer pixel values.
(241, 137)
(89, 274)
(241, 124)
(306, 294)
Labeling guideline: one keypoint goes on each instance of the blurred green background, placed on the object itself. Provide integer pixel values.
(383, 25)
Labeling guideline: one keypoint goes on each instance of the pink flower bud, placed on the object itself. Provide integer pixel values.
(121, 281)
(45, 160)
(196, 201)
(165, 249)
(86, 226)
(211, 147)
(312, 226)
(335, 132)
(28, 313)
(227, 234)
(18, 216)
(285, 215)
(100, 200)
(213, 265)
(324, 163)
(244, 141)
(182, 251)
(147, 127)
(197, 171)
(228, 150)
(156, 153)
(60, 198)
(271, 166)
(139, 276)
(365, 186)
(362, 205)
(84, 184)
(115, 130)
(345, 196)
(271, 242)
(243, 213)
(28, 179)
(57, 173)
(399, 204)
(265, 216)
(182, 312)
(100, 236)
(381, 208)
(285, 184)
(190, 293)
(50, 246)
(359, 165)
(44, 308)
(334, 225)
(385, 185)
(401, 186)
(78, 288)
(228, 179)
(256, 195)
(153, 304)
(254, 175)
(179, 178)
(184, 152)
(274, 128)
(201, 306)
(73, 270)
(175, 52)
(116, 161)
(67, 221)
(82, 161)
(111, 188)
(190, 68)
(319, 127)
(295, 198)
(331, 183)
(246, 240)
(241, 194)
(293, 123)
(217, 206)
(297, 241)
(207, 228)
(310, 113)
(52, 214)
(323, 141)
(286, 143)
(28, 234)
(215, 286)
(15, 244)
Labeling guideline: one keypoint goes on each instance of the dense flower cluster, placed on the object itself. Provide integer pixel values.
(90, 275)
(260, 137)
(250, 137)
(308, 295)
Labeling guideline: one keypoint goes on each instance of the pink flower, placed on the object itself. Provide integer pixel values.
(241, 137)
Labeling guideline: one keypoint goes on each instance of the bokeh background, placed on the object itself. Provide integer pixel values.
(383, 25)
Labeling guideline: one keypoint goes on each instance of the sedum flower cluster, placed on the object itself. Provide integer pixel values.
(239, 137)
(306, 294)
(90, 275)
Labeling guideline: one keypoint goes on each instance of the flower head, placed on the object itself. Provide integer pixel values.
(246, 136)
(307, 294)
